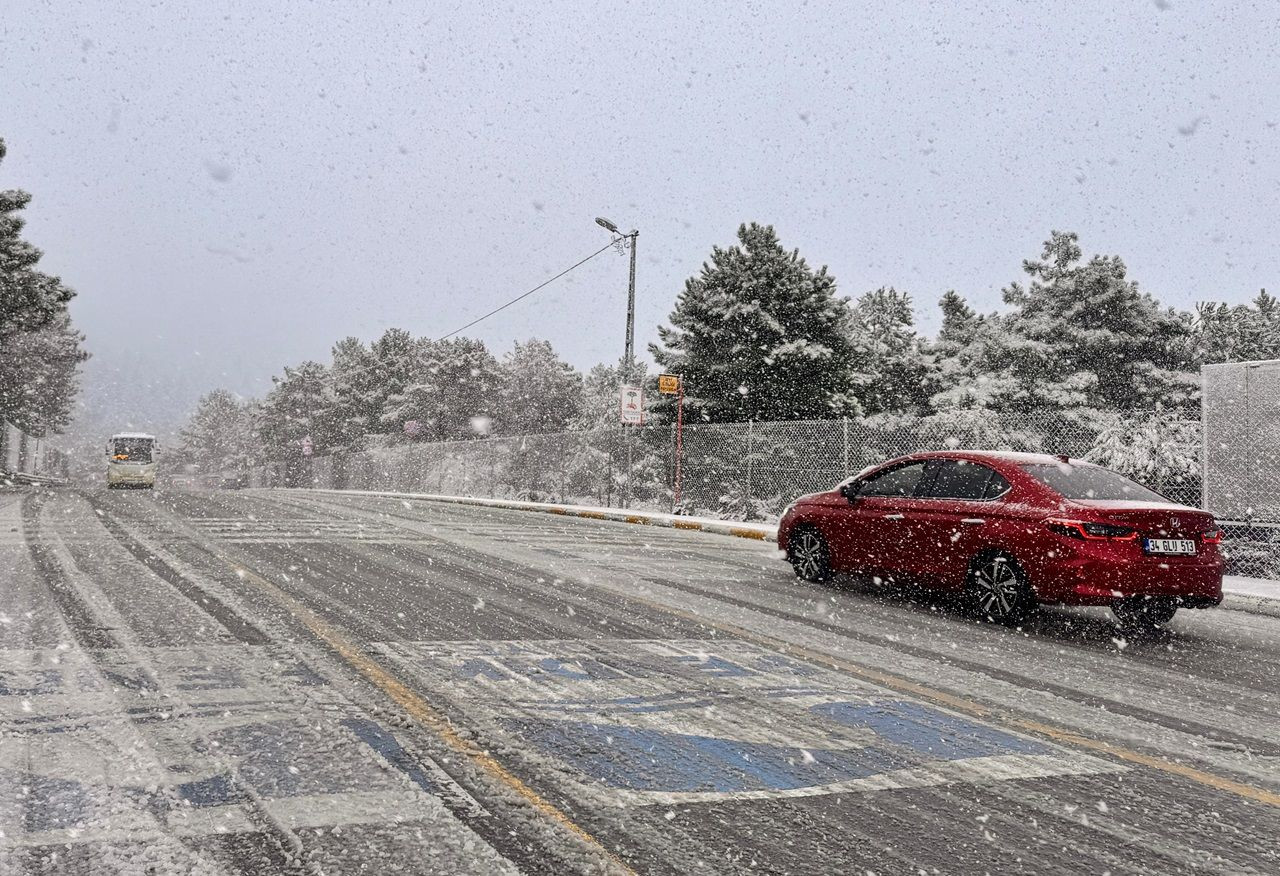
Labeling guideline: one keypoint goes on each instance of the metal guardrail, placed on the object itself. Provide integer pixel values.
(29, 459)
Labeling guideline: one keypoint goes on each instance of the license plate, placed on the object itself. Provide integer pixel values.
(1170, 546)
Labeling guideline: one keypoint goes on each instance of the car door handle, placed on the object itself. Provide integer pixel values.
(973, 521)
(893, 517)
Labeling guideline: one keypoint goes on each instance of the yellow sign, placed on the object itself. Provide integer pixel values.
(668, 384)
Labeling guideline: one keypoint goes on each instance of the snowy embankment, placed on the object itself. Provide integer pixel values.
(1257, 595)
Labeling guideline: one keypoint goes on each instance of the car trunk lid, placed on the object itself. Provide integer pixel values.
(1153, 519)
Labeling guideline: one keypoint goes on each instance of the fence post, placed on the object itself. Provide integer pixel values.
(846, 448)
(750, 460)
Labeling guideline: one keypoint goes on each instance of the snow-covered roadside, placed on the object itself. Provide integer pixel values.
(738, 528)
(1256, 595)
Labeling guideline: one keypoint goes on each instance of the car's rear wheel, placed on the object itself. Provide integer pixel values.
(1144, 612)
(999, 590)
(809, 555)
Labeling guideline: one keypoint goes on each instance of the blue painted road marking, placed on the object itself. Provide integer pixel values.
(929, 732)
(654, 760)
(638, 722)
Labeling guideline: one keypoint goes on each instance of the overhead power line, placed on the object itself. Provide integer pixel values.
(525, 295)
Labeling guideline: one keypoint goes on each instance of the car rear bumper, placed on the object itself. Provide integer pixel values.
(1195, 583)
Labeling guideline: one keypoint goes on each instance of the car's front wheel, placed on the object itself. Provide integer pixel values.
(809, 555)
(999, 589)
(1144, 612)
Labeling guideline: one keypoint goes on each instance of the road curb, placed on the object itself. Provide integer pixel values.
(735, 528)
(1247, 603)
(1250, 604)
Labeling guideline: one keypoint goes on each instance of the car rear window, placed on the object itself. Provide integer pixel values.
(962, 479)
(1090, 482)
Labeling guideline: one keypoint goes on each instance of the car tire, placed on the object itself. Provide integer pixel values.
(809, 555)
(1144, 612)
(999, 590)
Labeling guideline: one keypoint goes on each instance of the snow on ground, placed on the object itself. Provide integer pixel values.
(1232, 585)
(1259, 588)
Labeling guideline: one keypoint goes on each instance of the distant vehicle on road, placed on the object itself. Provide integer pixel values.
(1010, 531)
(131, 460)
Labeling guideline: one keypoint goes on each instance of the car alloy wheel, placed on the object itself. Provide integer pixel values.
(999, 589)
(809, 556)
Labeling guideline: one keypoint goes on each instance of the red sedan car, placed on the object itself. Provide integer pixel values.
(1010, 531)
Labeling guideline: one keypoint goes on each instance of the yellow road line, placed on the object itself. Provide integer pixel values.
(423, 713)
(876, 676)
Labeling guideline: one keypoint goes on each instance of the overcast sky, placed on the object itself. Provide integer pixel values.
(233, 186)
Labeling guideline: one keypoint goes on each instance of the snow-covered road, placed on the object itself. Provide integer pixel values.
(265, 682)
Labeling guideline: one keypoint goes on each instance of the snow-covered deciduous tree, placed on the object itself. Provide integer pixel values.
(759, 335)
(40, 351)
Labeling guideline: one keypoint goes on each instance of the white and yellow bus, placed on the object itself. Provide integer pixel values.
(131, 460)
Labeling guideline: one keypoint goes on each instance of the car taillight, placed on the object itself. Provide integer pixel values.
(1213, 536)
(1088, 530)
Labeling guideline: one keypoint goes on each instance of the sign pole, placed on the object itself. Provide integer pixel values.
(673, 384)
(679, 440)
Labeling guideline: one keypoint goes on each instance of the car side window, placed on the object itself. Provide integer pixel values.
(900, 481)
(962, 479)
(997, 486)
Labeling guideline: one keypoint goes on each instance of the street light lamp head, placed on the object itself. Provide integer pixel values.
(606, 224)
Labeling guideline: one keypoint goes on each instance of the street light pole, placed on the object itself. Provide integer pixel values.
(629, 357)
(631, 311)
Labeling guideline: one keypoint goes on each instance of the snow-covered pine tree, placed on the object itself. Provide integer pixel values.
(455, 394)
(893, 370)
(759, 335)
(1085, 338)
(40, 351)
(1246, 332)
(540, 393)
(356, 398)
(297, 407)
(397, 363)
(1079, 338)
(218, 438)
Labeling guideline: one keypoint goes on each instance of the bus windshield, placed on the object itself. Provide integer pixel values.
(131, 449)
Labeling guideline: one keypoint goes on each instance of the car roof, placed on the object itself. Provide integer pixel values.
(1010, 456)
(133, 435)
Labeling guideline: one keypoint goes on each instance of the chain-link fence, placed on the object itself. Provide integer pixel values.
(1241, 422)
(26, 457)
(731, 470)
(1241, 417)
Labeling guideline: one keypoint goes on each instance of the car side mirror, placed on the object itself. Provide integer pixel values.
(850, 491)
